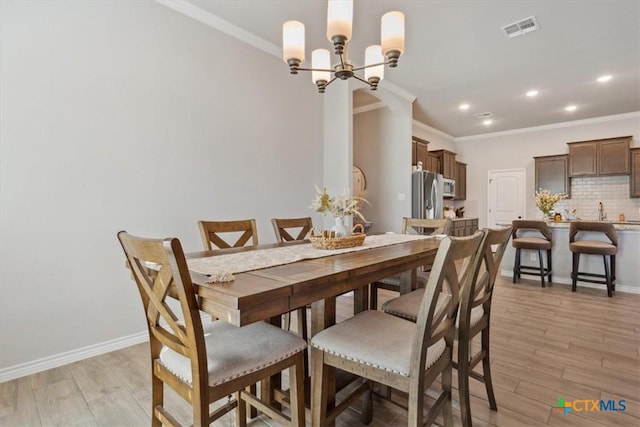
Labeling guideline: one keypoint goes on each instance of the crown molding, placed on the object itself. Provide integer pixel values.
(188, 9)
(428, 128)
(369, 107)
(560, 125)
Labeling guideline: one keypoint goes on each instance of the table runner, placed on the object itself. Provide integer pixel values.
(222, 267)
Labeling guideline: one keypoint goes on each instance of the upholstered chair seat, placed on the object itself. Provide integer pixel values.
(345, 340)
(531, 243)
(232, 351)
(593, 247)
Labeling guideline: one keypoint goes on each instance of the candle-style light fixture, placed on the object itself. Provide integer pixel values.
(339, 26)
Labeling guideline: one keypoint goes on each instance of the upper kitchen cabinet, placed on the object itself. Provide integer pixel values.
(433, 163)
(599, 157)
(447, 162)
(419, 151)
(552, 173)
(634, 182)
(461, 181)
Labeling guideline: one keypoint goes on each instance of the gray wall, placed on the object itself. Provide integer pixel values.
(128, 115)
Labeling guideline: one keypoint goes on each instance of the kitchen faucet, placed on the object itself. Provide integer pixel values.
(602, 215)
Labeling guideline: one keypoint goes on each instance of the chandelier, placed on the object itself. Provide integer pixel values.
(339, 25)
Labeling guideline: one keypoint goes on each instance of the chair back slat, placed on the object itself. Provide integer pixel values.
(479, 290)
(284, 227)
(159, 268)
(455, 263)
(211, 233)
(426, 226)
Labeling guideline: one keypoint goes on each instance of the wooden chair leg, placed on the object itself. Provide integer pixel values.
(549, 265)
(516, 265)
(296, 391)
(612, 262)
(574, 272)
(541, 264)
(157, 398)
(486, 369)
(303, 332)
(241, 411)
(607, 275)
(319, 389)
(367, 405)
(447, 412)
(463, 382)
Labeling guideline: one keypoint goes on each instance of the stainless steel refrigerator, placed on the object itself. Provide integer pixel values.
(427, 195)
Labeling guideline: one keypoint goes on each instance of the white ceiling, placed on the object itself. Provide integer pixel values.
(456, 52)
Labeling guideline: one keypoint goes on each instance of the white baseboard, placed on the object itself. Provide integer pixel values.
(567, 281)
(23, 369)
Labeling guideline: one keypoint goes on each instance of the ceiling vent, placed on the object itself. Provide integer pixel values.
(521, 27)
(484, 115)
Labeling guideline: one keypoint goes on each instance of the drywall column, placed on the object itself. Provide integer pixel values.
(338, 147)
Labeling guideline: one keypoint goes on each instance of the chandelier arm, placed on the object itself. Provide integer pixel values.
(315, 69)
(362, 80)
(330, 81)
(370, 65)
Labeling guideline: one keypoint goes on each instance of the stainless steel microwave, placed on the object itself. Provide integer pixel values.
(449, 188)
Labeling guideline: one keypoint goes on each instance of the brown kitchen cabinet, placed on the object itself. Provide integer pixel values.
(552, 173)
(464, 227)
(634, 181)
(608, 156)
(461, 181)
(447, 162)
(419, 151)
(433, 163)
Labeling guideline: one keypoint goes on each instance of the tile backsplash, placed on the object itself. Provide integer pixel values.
(612, 191)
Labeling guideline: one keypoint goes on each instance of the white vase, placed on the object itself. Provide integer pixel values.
(340, 228)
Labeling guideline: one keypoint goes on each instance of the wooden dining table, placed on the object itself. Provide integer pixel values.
(267, 293)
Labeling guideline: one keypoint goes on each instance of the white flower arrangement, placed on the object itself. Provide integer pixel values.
(338, 207)
(545, 200)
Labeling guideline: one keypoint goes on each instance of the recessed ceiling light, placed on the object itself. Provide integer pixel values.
(532, 93)
(570, 108)
(604, 78)
(487, 122)
(464, 107)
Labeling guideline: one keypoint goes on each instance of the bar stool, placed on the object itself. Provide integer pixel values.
(594, 247)
(536, 243)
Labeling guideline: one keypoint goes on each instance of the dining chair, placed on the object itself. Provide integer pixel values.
(594, 245)
(206, 363)
(285, 227)
(395, 352)
(410, 226)
(474, 317)
(212, 231)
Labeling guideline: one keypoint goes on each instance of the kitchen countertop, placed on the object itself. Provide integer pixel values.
(632, 225)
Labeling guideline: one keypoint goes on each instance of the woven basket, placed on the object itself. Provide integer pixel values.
(325, 239)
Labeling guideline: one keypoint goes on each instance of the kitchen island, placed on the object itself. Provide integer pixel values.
(627, 259)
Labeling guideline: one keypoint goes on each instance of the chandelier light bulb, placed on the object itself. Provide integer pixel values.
(373, 55)
(293, 42)
(339, 22)
(320, 60)
(392, 36)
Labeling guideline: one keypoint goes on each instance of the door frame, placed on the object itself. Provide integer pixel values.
(523, 171)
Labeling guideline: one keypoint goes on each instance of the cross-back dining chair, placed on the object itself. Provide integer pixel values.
(212, 232)
(205, 363)
(285, 228)
(395, 352)
(474, 317)
(409, 226)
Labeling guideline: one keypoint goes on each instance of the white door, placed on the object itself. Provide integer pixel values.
(506, 196)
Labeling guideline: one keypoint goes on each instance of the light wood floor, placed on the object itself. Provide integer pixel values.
(545, 344)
